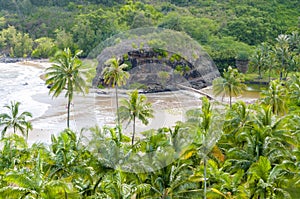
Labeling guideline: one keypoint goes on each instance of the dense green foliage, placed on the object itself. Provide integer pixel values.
(243, 151)
(238, 151)
(280, 58)
(31, 28)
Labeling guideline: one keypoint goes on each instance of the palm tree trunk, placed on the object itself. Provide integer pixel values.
(68, 117)
(117, 103)
(282, 67)
(269, 74)
(133, 131)
(204, 177)
(230, 95)
(66, 194)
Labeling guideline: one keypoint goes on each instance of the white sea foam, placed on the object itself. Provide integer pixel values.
(20, 83)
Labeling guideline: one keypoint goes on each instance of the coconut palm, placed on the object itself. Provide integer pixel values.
(267, 137)
(65, 75)
(136, 107)
(260, 58)
(15, 120)
(238, 119)
(282, 53)
(276, 96)
(230, 84)
(208, 133)
(115, 76)
(172, 180)
(14, 148)
(294, 90)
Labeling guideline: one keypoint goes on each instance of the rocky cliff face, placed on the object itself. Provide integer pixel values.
(159, 60)
(156, 70)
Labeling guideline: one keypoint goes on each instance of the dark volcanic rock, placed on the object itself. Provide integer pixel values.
(11, 60)
(158, 73)
(159, 60)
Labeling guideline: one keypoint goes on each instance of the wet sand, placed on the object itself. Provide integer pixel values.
(99, 109)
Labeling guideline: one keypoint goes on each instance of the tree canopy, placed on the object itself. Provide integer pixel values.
(221, 27)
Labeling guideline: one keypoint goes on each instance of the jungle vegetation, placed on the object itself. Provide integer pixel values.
(226, 29)
(239, 151)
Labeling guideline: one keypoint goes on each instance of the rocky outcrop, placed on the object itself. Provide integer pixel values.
(160, 73)
(11, 60)
(160, 61)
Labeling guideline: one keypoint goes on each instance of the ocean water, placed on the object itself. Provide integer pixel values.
(20, 83)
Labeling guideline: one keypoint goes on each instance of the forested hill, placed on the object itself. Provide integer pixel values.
(35, 28)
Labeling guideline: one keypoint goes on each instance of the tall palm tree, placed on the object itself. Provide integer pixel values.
(230, 84)
(115, 76)
(276, 96)
(260, 58)
(65, 75)
(136, 107)
(207, 134)
(294, 90)
(282, 53)
(15, 120)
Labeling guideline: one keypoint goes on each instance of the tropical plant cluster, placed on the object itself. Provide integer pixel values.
(238, 151)
(31, 28)
(281, 58)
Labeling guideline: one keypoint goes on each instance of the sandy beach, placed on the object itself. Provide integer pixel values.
(96, 108)
(99, 109)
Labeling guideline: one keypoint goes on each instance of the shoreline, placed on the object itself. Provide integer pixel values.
(98, 108)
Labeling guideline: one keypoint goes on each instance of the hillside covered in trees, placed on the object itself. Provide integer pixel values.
(226, 29)
(240, 150)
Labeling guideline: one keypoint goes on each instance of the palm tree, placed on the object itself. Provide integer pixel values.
(237, 120)
(208, 133)
(230, 84)
(294, 90)
(15, 120)
(260, 58)
(65, 74)
(282, 54)
(172, 180)
(136, 107)
(276, 96)
(265, 135)
(14, 148)
(115, 75)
